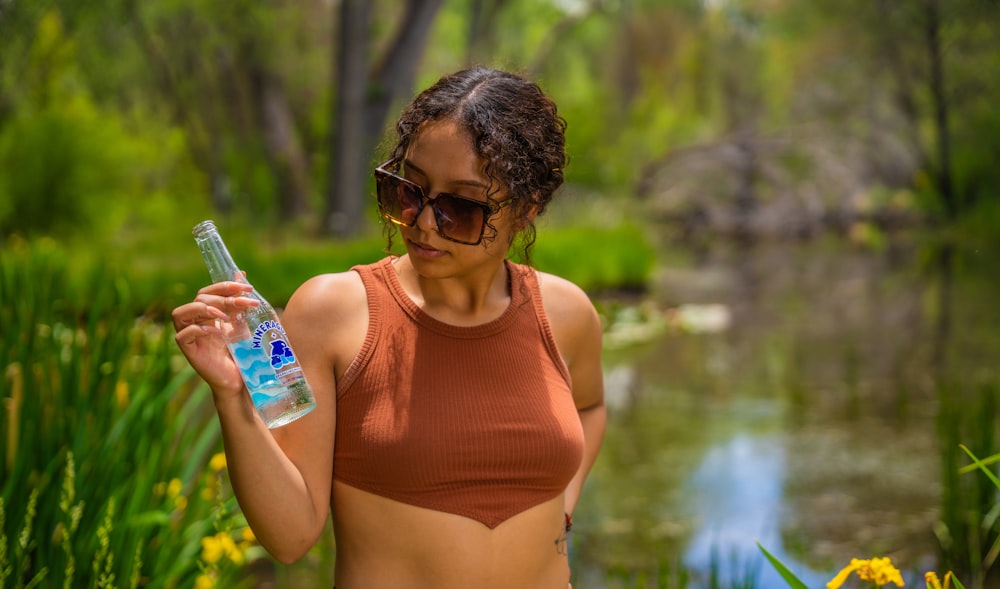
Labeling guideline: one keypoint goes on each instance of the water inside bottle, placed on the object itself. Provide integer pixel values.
(277, 402)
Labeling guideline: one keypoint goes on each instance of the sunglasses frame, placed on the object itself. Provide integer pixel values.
(387, 171)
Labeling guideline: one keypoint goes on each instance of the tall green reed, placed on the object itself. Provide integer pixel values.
(969, 531)
(105, 437)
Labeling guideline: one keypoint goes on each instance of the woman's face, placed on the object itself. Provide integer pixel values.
(442, 158)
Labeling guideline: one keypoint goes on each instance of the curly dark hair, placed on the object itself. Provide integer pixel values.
(514, 127)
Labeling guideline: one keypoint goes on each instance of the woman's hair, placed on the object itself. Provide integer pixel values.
(515, 128)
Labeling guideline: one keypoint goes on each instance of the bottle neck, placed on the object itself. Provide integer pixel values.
(221, 266)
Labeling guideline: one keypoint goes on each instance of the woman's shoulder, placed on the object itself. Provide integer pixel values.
(569, 308)
(326, 297)
(560, 293)
(329, 314)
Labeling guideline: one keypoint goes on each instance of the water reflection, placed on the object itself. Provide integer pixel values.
(809, 425)
(737, 495)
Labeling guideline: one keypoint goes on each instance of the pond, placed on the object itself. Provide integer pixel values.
(785, 394)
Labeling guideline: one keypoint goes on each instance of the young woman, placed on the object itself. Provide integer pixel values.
(460, 399)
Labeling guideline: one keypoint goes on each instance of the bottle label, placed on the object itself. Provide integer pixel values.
(270, 338)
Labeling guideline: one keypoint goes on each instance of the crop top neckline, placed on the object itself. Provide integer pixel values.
(517, 298)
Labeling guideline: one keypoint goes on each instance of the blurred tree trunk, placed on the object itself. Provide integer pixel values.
(344, 205)
(481, 38)
(362, 102)
(939, 104)
(282, 145)
(889, 52)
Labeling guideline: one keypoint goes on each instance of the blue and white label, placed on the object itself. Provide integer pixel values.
(255, 365)
(270, 338)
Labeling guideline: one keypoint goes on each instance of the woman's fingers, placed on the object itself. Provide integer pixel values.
(197, 313)
(216, 301)
(226, 288)
(227, 295)
(201, 336)
(220, 301)
(189, 335)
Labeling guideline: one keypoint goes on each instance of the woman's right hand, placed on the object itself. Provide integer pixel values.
(201, 340)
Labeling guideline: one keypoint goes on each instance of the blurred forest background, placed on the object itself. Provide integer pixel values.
(121, 121)
(692, 123)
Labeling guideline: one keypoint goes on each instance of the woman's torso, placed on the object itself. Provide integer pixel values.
(383, 543)
(396, 538)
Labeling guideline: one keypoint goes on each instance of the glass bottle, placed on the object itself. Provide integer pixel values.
(257, 342)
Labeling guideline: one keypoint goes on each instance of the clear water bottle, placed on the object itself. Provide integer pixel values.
(257, 342)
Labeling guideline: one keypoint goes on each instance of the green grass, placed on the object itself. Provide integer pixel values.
(99, 417)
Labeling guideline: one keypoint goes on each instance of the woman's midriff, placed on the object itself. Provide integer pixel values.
(383, 543)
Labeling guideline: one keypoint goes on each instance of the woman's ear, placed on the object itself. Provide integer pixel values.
(528, 217)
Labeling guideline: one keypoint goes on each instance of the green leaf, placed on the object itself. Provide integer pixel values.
(786, 574)
(986, 461)
(981, 466)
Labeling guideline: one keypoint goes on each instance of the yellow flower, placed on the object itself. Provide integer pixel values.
(174, 488)
(881, 572)
(877, 570)
(121, 393)
(218, 462)
(232, 551)
(211, 549)
(248, 539)
(204, 582)
(248, 535)
(934, 583)
(845, 572)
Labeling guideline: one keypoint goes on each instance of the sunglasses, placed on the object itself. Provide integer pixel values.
(459, 219)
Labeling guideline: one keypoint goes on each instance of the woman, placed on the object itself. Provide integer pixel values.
(459, 396)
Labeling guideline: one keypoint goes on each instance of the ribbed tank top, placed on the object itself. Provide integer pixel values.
(475, 421)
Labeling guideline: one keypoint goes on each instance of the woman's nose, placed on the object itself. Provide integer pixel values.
(425, 219)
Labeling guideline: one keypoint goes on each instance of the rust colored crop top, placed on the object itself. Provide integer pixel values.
(475, 421)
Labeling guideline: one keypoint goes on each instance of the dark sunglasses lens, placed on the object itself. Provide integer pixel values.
(399, 201)
(458, 218)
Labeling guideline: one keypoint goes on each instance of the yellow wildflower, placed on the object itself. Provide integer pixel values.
(932, 580)
(934, 583)
(121, 393)
(204, 581)
(174, 488)
(232, 551)
(248, 539)
(881, 571)
(248, 535)
(877, 570)
(845, 572)
(211, 549)
(211, 488)
(218, 462)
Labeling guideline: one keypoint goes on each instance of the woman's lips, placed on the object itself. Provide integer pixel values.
(424, 250)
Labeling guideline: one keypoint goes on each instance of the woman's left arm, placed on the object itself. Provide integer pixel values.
(577, 330)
